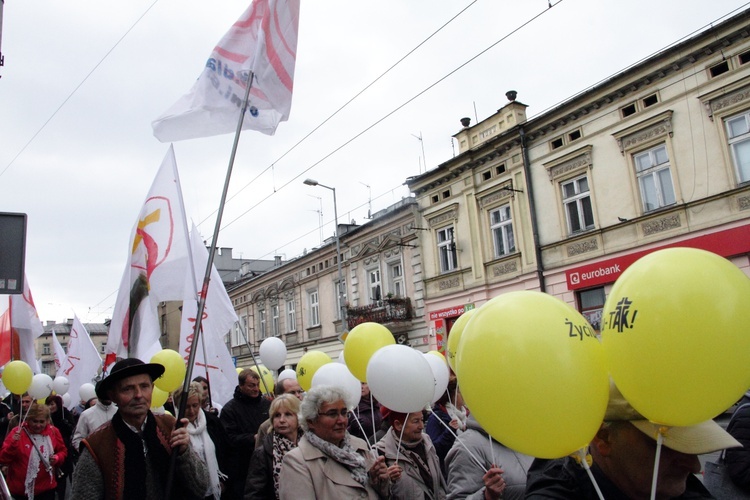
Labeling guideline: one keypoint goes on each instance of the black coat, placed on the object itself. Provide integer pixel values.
(220, 439)
(259, 483)
(738, 459)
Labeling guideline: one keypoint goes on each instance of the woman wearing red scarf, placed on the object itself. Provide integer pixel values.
(32, 453)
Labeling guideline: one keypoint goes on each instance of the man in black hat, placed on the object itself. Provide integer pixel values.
(128, 457)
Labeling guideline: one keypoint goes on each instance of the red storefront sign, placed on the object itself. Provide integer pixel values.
(450, 312)
(726, 243)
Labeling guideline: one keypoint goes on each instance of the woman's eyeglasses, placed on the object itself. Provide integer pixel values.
(334, 413)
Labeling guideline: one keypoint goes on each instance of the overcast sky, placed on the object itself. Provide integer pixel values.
(105, 75)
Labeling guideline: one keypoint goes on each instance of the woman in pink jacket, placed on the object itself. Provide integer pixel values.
(33, 452)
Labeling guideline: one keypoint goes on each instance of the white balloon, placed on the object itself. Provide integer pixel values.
(41, 386)
(440, 373)
(285, 374)
(338, 375)
(61, 385)
(87, 391)
(400, 378)
(273, 353)
(66, 399)
(341, 358)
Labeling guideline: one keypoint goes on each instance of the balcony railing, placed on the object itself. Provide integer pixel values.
(388, 310)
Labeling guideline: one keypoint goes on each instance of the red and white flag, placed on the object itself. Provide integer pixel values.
(26, 324)
(218, 319)
(59, 353)
(263, 42)
(6, 338)
(155, 272)
(82, 363)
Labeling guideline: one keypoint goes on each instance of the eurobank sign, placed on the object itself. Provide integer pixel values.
(726, 243)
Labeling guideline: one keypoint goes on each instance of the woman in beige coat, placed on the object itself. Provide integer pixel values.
(328, 462)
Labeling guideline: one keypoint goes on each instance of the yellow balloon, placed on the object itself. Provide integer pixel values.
(17, 377)
(174, 369)
(238, 370)
(361, 343)
(266, 379)
(532, 372)
(158, 397)
(676, 335)
(437, 353)
(308, 365)
(454, 336)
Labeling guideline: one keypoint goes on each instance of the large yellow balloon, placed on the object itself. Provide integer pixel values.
(17, 377)
(361, 343)
(532, 372)
(174, 369)
(308, 365)
(266, 384)
(676, 335)
(454, 336)
(158, 397)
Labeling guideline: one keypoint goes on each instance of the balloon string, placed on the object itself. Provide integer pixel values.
(398, 448)
(582, 454)
(478, 462)
(492, 450)
(369, 446)
(659, 441)
(372, 416)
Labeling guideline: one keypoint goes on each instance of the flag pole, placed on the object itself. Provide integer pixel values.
(206, 279)
(255, 361)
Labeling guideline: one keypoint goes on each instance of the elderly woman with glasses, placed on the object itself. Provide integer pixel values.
(328, 462)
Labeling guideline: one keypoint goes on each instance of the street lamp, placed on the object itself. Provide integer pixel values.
(342, 307)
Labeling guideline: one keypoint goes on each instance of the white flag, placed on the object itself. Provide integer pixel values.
(262, 42)
(218, 318)
(157, 259)
(25, 321)
(59, 352)
(83, 361)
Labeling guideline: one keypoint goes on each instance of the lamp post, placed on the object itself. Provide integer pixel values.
(342, 307)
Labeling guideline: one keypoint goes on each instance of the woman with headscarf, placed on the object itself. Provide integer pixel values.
(328, 462)
(207, 438)
(265, 464)
(32, 452)
(62, 419)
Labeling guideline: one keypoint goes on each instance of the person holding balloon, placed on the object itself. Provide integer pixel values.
(442, 426)
(328, 462)
(63, 421)
(405, 446)
(32, 452)
(623, 454)
(265, 464)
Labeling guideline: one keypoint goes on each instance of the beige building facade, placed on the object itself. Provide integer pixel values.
(45, 351)
(299, 300)
(656, 156)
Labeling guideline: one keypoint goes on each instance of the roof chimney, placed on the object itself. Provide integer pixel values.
(465, 121)
(511, 95)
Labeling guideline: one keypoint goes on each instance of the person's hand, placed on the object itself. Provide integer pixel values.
(180, 438)
(378, 471)
(454, 424)
(53, 460)
(494, 484)
(394, 472)
(10, 416)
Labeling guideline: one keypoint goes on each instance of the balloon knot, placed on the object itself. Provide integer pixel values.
(577, 458)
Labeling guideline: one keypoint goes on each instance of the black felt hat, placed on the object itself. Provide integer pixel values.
(127, 368)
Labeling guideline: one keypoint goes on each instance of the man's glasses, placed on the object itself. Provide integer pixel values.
(298, 391)
(334, 413)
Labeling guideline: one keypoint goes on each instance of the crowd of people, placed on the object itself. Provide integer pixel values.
(298, 444)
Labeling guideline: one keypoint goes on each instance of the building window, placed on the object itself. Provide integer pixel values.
(314, 308)
(103, 347)
(654, 178)
(446, 249)
(237, 332)
(577, 203)
(501, 226)
(64, 345)
(591, 304)
(396, 278)
(261, 323)
(291, 316)
(45, 349)
(375, 287)
(340, 296)
(275, 320)
(738, 131)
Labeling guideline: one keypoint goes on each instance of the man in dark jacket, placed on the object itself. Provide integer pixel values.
(738, 459)
(242, 416)
(623, 454)
(370, 419)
